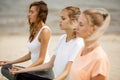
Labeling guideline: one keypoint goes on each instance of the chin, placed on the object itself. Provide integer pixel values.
(31, 21)
(61, 28)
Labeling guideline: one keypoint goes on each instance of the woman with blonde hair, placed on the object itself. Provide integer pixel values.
(92, 62)
(38, 42)
(66, 49)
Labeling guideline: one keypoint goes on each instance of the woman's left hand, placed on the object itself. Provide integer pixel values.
(14, 70)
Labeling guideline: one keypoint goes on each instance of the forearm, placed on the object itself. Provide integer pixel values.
(42, 67)
(22, 59)
(65, 73)
(36, 63)
(62, 76)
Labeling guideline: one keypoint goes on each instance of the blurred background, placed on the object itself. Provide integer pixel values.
(14, 28)
(13, 14)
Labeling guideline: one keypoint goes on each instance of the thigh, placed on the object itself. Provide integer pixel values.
(46, 73)
(5, 71)
(29, 76)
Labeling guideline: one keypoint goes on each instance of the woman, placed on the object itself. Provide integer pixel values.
(38, 40)
(66, 49)
(92, 62)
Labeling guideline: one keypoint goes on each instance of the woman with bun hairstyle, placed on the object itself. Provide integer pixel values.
(91, 63)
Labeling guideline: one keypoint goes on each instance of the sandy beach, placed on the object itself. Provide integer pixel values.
(14, 29)
(14, 46)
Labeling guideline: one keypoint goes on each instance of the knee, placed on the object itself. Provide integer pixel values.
(5, 68)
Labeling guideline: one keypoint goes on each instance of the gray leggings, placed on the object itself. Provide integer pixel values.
(45, 74)
(5, 72)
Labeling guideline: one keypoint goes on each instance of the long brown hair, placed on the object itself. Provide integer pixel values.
(42, 16)
(73, 13)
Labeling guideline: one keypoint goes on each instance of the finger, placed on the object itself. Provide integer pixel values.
(15, 68)
(2, 63)
(11, 71)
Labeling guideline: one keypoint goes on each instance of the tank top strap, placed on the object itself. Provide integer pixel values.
(41, 30)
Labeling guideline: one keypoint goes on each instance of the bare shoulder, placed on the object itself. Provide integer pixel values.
(45, 31)
(45, 34)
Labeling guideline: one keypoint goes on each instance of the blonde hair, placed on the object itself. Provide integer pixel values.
(73, 13)
(99, 17)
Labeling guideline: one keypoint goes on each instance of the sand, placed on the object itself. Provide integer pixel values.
(13, 23)
(15, 46)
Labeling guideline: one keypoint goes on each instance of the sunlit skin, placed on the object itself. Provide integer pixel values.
(39, 36)
(65, 22)
(33, 14)
(83, 29)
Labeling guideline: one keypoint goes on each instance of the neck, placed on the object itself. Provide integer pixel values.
(90, 44)
(69, 35)
(89, 47)
(42, 23)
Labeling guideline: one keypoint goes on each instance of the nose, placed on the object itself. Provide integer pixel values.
(29, 14)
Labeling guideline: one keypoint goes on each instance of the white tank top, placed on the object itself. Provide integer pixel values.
(34, 47)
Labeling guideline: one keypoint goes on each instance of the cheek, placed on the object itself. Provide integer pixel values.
(65, 24)
(82, 32)
(34, 15)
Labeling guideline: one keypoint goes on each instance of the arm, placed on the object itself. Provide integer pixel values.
(65, 73)
(44, 38)
(22, 59)
(98, 77)
(41, 67)
(100, 70)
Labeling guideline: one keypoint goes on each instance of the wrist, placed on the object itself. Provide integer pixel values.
(10, 62)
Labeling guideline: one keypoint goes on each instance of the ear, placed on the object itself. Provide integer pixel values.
(74, 23)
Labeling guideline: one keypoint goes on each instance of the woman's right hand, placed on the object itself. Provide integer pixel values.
(14, 70)
(2, 63)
